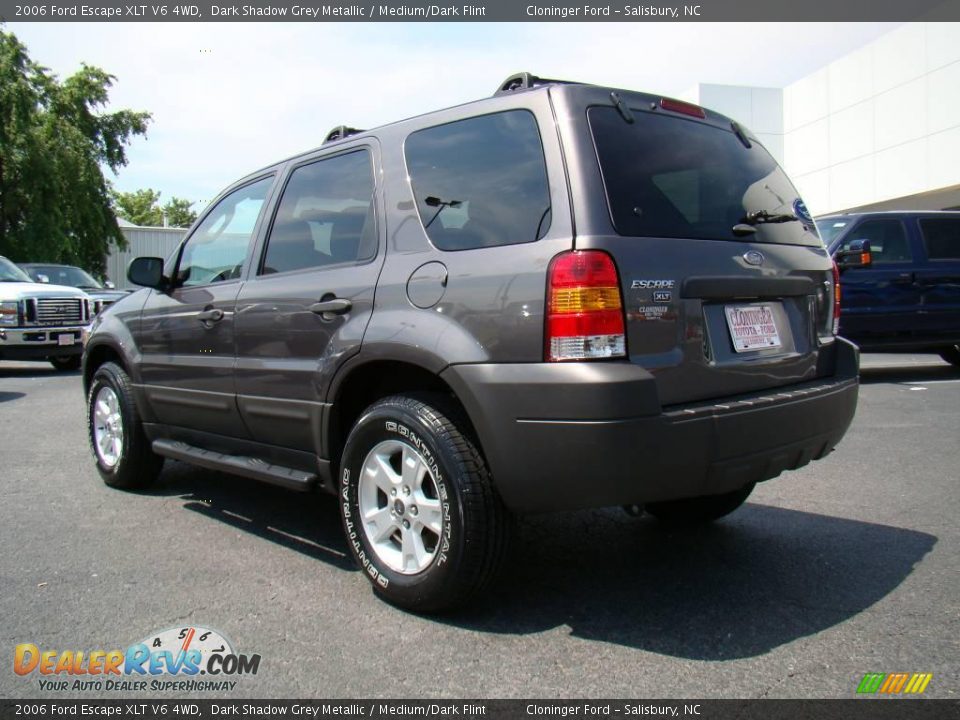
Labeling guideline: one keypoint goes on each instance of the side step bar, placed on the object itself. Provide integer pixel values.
(236, 464)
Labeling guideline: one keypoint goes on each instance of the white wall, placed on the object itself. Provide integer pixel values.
(880, 123)
(759, 109)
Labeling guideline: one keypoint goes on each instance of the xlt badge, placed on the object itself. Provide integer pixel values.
(652, 284)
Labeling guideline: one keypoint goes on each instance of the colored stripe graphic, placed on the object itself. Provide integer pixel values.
(894, 683)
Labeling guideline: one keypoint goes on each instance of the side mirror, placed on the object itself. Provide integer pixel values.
(108, 284)
(147, 271)
(856, 255)
(42, 278)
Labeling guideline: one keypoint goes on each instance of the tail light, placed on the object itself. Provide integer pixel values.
(584, 308)
(836, 298)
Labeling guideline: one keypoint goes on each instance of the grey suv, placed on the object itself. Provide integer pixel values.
(559, 297)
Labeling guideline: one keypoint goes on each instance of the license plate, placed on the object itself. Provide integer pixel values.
(66, 339)
(752, 327)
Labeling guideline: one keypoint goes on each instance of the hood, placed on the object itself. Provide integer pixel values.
(24, 290)
(106, 295)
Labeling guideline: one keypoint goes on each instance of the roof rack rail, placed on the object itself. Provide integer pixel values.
(524, 81)
(340, 132)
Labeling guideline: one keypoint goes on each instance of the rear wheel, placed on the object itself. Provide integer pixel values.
(951, 355)
(120, 447)
(698, 510)
(66, 363)
(419, 509)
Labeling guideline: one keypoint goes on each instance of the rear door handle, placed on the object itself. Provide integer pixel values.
(210, 316)
(904, 278)
(328, 309)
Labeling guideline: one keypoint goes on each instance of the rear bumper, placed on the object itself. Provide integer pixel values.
(572, 436)
(40, 343)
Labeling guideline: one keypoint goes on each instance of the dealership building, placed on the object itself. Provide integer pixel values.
(878, 128)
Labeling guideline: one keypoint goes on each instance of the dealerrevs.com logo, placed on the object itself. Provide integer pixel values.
(170, 660)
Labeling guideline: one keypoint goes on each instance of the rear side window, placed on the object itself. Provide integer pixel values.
(888, 240)
(669, 177)
(325, 216)
(942, 238)
(480, 182)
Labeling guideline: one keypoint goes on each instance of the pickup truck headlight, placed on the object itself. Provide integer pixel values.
(9, 313)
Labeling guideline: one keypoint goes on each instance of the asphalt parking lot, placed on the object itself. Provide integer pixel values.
(850, 565)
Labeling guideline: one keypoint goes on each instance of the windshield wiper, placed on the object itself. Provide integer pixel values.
(761, 217)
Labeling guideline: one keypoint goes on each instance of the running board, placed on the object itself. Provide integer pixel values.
(236, 464)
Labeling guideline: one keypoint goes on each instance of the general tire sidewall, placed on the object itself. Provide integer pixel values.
(105, 378)
(397, 423)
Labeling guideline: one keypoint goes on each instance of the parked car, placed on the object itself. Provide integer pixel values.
(41, 321)
(103, 294)
(900, 280)
(560, 297)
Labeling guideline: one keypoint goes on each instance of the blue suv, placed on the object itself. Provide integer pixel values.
(900, 279)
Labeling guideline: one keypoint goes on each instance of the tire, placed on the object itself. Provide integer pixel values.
(699, 510)
(447, 500)
(951, 355)
(66, 363)
(124, 459)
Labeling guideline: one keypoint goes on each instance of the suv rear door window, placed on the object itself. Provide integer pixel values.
(480, 182)
(670, 177)
(325, 216)
(942, 238)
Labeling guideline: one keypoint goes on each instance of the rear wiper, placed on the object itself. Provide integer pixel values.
(760, 217)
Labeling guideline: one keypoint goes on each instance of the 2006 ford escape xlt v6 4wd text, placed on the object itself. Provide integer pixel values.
(559, 297)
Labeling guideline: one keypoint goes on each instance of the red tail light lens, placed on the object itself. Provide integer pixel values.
(584, 308)
(836, 299)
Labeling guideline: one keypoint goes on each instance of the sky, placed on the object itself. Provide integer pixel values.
(228, 98)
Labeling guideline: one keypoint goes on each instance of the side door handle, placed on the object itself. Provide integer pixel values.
(904, 278)
(210, 316)
(328, 309)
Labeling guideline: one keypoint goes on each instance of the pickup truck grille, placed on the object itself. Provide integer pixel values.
(59, 311)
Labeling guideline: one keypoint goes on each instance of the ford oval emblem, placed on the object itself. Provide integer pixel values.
(753, 257)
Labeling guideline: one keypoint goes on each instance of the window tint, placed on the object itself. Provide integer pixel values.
(888, 240)
(217, 249)
(325, 216)
(669, 177)
(481, 182)
(942, 238)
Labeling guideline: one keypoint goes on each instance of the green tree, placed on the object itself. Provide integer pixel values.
(179, 213)
(141, 207)
(54, 143)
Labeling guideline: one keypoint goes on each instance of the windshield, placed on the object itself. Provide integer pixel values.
(670, 177)
(831, 228)
(63, 275)
(11, 273)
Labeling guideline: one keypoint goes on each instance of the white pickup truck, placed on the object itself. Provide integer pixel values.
(41, 321)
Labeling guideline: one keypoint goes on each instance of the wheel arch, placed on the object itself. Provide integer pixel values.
(97, 355)
(362, 384)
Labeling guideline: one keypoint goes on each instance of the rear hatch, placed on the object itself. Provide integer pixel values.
(727, 288)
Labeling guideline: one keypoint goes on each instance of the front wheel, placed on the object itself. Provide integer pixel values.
(419, 509)
(66, 363)
(120, 447)
(951, 355)
(698, 510)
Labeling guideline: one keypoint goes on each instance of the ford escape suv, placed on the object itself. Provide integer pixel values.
(563, 296)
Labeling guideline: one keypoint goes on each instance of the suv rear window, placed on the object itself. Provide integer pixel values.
(480, 182)
(942, 238)
(670, 177)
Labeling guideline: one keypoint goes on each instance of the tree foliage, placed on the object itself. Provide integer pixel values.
(142, 207)
(55, 140)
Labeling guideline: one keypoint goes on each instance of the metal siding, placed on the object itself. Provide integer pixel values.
(142, 242)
